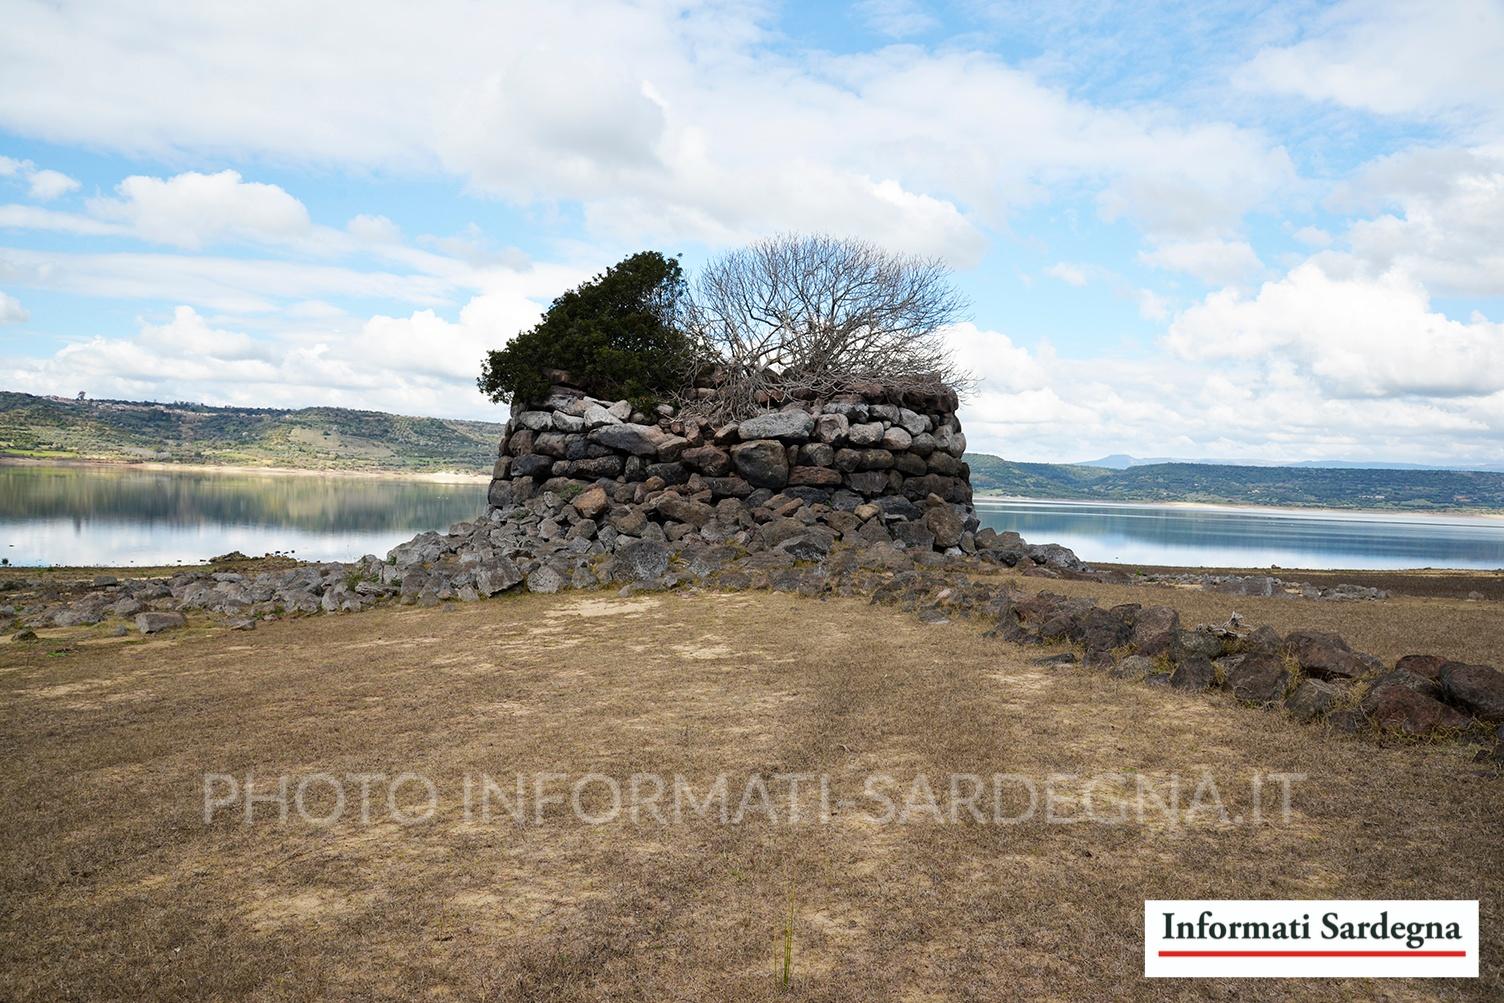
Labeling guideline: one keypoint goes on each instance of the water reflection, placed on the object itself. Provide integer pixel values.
(1240, 537)
(125, 515)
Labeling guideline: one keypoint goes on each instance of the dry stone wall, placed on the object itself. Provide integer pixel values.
(864, 466)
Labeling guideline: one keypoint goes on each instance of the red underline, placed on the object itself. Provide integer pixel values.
(1313, 954)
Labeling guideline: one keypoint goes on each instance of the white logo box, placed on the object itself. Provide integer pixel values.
(1196, 950)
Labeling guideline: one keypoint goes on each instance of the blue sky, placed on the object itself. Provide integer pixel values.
(1197, 230)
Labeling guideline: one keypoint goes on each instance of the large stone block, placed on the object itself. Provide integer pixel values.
(1478, 689)
(639, 440)
(791, 424)
(762, 462)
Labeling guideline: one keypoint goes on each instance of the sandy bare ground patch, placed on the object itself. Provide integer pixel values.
(113, 886)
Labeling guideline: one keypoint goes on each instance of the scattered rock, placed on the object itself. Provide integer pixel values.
(1156, 631)
(1477, 689)
(545, 579)
(1324, 655)
(1136, 667)
(1193, 672)
(1256, 678)
(1313, 699)
(155, 623)
(1395, 707)
(1428, 666)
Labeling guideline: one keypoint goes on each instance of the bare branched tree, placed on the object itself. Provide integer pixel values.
(805, 316)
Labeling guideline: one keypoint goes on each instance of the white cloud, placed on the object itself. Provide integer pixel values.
(676, 117)
(374, 229)
(1449, 213)
(417, 364)
(1322, 364)
(41, 183)
(192, 209)
(1215, 262)
(11, 310)
(188, 334)
(1407, 58)
(1358, 336)
(1313, 236)
(896, 18)
(1071, 275)
(31, 217)
(219, 283)
(1074, 407)
(48, 184)
(1152, 306)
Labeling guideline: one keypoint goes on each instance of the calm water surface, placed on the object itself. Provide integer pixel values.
(74, 515)
(121, 516)
(1231, 537)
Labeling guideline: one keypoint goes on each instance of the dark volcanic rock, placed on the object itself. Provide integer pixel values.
(1313, 699)
(763, 462)
(640, 440)
(794, 424)
(1257, 678)
(683, 509)
(1135, 667)
(1156, 631)
(1428, 666)
(1324, 655)
(946, 524)
(1193, 672)
(709, 460)
(642, 560)
(1478, 689)
(153, 623)
(914, 534)
(1103, 630)
(1399, 708)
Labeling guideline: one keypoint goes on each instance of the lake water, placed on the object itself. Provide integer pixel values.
(99, 515)
(1237, 537)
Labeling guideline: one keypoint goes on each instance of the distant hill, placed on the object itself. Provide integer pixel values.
(1414, 490)
(317, 438)
(1122, 461)
(332, 438)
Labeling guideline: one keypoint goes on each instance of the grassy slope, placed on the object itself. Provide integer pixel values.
(1410, 490)
(323, 438)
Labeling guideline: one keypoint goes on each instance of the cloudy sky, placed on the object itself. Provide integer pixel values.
(1186, 229)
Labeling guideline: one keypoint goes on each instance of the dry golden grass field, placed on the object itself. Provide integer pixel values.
(114, 887)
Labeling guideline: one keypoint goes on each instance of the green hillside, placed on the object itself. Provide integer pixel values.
(319, 438)
(1326, 487)
(331, 438)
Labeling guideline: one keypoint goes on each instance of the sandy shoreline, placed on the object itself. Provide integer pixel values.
(438, 476)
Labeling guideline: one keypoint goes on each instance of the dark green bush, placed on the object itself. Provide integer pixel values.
(618, 336)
